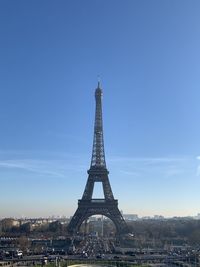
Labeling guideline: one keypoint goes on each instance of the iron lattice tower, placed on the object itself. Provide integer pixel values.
(107, 206)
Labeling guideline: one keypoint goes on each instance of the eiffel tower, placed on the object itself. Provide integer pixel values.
(107, 206)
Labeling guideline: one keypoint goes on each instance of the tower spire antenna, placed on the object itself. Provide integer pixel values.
(98, 81)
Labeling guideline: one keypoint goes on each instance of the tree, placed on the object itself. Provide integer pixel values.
(24, 243)
(55, 226)
(7, 224)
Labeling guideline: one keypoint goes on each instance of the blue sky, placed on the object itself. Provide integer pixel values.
(147, 55)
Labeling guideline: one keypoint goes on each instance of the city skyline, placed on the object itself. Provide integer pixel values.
(147, 56)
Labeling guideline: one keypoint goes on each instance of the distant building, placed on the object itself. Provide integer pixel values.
(146, 218)
(158, 217)
(8, 223)
(92, 219)
(130, 217)
(197, 217)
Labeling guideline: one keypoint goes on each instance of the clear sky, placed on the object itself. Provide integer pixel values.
(147, 54)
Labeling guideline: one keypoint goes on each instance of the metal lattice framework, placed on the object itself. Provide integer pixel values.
(108, 206)
(98, 154)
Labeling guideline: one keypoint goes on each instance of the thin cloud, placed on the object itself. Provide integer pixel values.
(37, 154)
(54, 168)
(57, 164)
(148, 160)
(154, 166)
(39, 167)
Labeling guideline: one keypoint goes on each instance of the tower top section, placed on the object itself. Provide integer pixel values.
(98, 154)
(98, 91)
